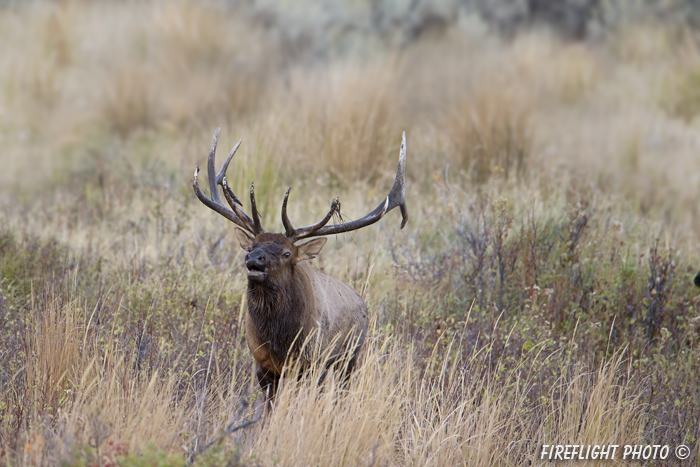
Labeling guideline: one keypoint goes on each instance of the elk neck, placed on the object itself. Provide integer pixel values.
(277, 308)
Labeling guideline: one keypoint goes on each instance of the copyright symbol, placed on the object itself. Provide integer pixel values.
(682, 451)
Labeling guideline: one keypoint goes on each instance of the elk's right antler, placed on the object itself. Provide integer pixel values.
(235, 214)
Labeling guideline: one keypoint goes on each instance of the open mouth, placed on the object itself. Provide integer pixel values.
(256, 274)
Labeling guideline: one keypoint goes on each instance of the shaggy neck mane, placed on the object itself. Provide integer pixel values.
(275, 310)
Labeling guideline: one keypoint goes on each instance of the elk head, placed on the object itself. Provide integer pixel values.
(270, 254)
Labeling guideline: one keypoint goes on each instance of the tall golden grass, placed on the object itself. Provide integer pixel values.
(392, 412)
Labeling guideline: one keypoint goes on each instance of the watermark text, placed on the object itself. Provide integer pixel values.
(564, 452)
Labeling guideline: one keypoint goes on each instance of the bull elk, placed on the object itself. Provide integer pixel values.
(289, 302)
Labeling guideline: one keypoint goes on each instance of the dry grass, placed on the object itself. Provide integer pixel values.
(390, 413)
(490, 135)
(549, 304)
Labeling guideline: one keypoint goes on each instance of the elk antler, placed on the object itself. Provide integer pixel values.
(396, 197)
(235, 214)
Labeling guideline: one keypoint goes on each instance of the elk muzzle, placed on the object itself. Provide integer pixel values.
(256, 263)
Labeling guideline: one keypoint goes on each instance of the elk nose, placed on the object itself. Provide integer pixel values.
(255, 259)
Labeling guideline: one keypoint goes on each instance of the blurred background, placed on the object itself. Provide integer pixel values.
(553, 186)
(111, 98)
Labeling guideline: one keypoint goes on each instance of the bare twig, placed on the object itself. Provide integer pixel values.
(230, 428)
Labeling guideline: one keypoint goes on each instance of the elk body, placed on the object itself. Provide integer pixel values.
(294, 309)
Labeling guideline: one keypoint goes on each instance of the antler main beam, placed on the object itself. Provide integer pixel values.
(235, 214)
(395, 198)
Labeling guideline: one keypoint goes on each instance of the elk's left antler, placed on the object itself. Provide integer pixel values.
(395, 198)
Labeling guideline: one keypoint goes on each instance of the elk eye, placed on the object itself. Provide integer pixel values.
(287, 255)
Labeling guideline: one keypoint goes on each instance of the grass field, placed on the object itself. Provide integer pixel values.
(541, 292)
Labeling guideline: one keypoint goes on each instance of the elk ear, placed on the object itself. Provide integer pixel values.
(244, 239)
(310, 249)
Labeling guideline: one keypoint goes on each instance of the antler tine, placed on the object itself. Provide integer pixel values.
(211, 168)
(232, 200)
(254, 208)
(237, 216)
(221, 176)
(309, 231)
(288, 229)
(397, 195)
(218, 207)
(396, 198)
